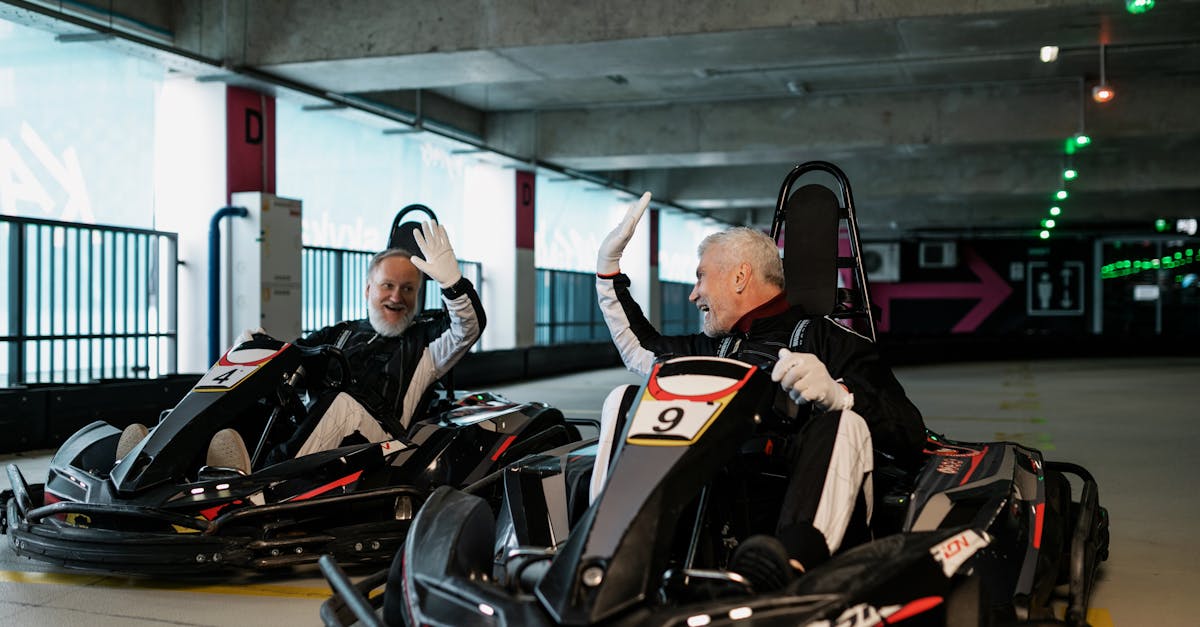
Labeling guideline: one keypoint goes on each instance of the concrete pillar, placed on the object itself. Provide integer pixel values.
(654, 297)
(526, 273)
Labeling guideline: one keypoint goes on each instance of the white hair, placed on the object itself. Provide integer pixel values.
(742, 243)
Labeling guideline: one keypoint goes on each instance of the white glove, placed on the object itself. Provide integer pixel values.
(248, 335)
(609, 256)
(806, 379)
(439, 261)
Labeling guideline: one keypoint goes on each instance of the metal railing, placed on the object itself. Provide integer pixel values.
(334, 281)
(566, 310)
(86, 302)
(679, 315)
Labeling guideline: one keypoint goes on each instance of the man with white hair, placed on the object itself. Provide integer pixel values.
(847, 402)
(393, 362)
(394, 357)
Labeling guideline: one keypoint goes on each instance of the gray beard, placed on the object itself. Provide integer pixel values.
(385, 328)
(708, 327)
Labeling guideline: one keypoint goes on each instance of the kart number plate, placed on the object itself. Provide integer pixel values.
(221, 377)
(670, 423)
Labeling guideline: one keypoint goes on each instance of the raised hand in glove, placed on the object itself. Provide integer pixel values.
(609, 256)
(805, 379)
(439, 261)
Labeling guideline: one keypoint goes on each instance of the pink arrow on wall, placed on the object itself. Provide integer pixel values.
(991, 290)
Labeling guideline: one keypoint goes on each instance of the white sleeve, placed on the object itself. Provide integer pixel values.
(637, 358)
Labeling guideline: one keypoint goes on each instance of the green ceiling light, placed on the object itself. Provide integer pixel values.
(1044, 235)
(1055, 210)
(1050, 223)
(1188, 252)
(1137, 7)
(1160, 225)
(1061, 194)
(1082, 140)
(1070, 174)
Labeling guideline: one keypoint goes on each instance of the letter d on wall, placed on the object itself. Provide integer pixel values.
(249, 141)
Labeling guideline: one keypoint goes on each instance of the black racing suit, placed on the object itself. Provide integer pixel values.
(895, 424)
(392, 377)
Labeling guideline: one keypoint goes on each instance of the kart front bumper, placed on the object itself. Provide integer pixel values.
(225, 543)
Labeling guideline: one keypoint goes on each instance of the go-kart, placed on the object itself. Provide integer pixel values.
(983, 532)
(159, 509)
(977, 533)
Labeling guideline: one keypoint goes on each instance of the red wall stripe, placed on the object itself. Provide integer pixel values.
(526, 194)
(249, 142)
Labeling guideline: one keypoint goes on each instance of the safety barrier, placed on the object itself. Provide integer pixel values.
(86, 302)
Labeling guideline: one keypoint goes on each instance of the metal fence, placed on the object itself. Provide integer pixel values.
(565, 308)
(679, 315)
(334, 282)
(86, 302)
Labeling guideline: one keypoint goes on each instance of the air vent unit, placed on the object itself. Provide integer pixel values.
(881, 260)
(937, 255)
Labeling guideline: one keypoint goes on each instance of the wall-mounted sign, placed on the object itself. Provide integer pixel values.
(1145, 293)
(1054, 289)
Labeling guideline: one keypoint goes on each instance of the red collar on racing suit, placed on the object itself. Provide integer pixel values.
(773, 307)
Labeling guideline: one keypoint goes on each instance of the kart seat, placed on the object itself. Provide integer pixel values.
(401, 235)
(809, 219)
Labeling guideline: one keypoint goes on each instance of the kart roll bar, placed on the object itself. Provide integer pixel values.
(349, 595)
(1089, 542)
(401, 233)
(811, 259)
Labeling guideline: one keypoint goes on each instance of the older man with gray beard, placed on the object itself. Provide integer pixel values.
(394, 361)
(845, 402)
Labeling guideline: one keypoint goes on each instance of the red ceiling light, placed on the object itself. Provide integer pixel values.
(1103, 92)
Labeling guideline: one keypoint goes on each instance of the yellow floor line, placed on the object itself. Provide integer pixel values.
(1099, 617)
(249, 589)
(1096, 616)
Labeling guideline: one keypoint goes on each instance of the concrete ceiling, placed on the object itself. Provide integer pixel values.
(940, 112)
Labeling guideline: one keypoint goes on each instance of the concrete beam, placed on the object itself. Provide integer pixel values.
(794, 129)
(885, 218)
(431, 107)
(322, 30)
(938, 173)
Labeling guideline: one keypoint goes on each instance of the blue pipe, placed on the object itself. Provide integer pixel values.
(214, 278)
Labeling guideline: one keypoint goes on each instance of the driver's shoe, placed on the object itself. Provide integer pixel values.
(227, 450)
(763, 561)
(130, 437)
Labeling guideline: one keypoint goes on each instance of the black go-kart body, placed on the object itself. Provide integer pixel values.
(977, 533)
(980, 533)
(160, 510)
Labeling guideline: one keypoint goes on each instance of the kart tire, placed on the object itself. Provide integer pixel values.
(395, 611)
(968, 604)
(1056, 529)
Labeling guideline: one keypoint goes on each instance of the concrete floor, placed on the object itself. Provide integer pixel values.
(1128, 421)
